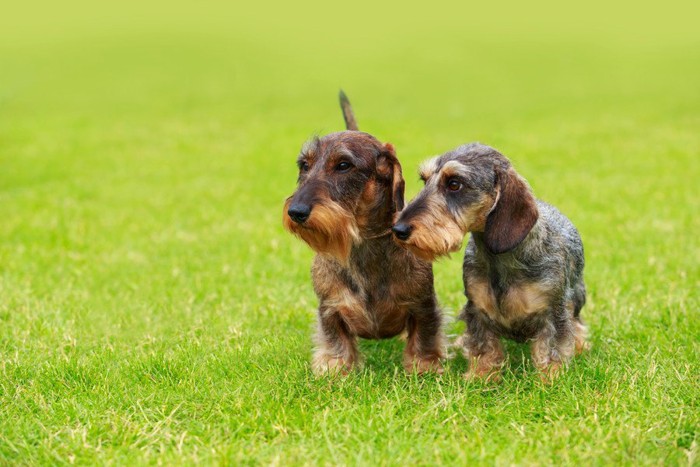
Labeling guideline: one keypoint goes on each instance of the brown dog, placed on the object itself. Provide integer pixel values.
(349, 189)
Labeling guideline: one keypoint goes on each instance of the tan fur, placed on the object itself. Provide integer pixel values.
(333, 358)
(309, 150)
(435, 233)
(487, 365)
(386, 318)
(428, 168)
(581, 337)
(518, 303)
(353, 313)
(452, 169)
(416, 364)
(527, 299)
(329, 230)
(474, 218)
(581, 343)
(479, 292)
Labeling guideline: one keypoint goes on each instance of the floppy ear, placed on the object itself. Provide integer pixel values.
(388, 165)
(513, 216)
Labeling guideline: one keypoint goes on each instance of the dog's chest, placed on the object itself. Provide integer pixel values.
(372, 301)
(369, 311)
(511, 306)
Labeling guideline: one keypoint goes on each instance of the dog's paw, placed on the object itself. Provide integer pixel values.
(329, 365)
(423, 365)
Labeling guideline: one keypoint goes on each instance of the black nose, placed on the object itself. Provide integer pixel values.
(299, 212)
(402, 231)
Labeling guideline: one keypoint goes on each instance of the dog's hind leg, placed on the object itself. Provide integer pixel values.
(581, 337)
(580, 329)
(554, 345)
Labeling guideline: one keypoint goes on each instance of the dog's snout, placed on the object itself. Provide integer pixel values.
(299, 212)
(402, 231)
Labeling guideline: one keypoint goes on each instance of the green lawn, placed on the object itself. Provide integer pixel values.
(152, 309)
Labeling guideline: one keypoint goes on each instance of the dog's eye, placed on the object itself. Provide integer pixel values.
(303, 166)
(343, 166)
(454, 185)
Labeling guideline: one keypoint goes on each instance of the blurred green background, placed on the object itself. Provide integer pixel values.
(153, 309)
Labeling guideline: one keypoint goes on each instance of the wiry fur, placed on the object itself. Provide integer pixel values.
(523, 265)
(367, 285)
(330, 230)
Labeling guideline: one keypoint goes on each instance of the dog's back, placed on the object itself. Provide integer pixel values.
(569, 239)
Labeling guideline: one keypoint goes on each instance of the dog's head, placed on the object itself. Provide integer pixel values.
(349, 188)
(471, 189)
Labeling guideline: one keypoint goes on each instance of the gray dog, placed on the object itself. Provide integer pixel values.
(523, 266)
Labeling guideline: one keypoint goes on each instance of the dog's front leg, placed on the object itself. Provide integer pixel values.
(336, 347)
(482, 347)
(424, 343)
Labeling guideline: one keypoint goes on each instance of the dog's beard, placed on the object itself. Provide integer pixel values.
(438, 232)
(431, 243)
(330, 229)
(434, 236)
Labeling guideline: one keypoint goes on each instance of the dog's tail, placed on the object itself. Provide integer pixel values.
(348, 115)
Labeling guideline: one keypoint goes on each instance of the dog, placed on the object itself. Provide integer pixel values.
(523, 264)
(349, 189)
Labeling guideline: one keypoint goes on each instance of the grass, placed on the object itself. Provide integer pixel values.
(152, 310)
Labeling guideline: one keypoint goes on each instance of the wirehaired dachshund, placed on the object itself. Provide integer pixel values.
(349, 190)
(523, 265)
